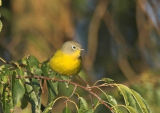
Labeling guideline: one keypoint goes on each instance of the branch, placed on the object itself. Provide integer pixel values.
(88, 89)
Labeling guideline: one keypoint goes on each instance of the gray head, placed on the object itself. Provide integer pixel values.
(71, 47)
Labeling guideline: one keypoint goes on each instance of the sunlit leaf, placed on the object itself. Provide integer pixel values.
(118, 109)
(83, 103)
(1, 88)
(32, 61)
(123, 109)
(7, 102)
(33, 65)
(131, 109)
(141, 102)
(23, 61)
(17, 90)
(111, 100)
(34, 100)
(0, 22)
(133, 99)
(107, 80)
(127, 95)
(36, 70)
(4, 79)
(5, 70)
(124, 91)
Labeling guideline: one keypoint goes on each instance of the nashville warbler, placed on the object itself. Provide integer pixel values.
(66, 60)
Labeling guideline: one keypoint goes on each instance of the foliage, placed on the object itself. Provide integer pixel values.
(22, 82)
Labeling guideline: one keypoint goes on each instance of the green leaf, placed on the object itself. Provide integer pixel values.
(107, 80)
(131, 109)
(47, 71)
(23, 61)
(8, 107)
(83, 106)
(102, 109)
(65, 89)
(125, 91)
(24, 101)
(33, 65)
(118, 109)
(7, 100)
(133, 99)
(17, 90)
(65, 78)
(157, 96)
(66, 110)
(36, 70)
(127, 95)
(32, 61)
(36, 86)
(51, 91)
(5, 70)
(33, 94)
(83, 103)
(51, 95)
(0, 22)
(111, 100)
(53, 86)
(19, 72)
(141, 102)
(1, 88)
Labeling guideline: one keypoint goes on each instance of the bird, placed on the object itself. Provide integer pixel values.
(67, 59)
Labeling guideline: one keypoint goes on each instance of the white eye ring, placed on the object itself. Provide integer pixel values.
(74, 47)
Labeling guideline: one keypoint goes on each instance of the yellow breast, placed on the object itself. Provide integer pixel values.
(66, 64)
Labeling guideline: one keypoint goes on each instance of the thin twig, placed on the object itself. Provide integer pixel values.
(62, 97)
(75, 87)
(69, 100)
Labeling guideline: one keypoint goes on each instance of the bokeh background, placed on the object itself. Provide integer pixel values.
(121, 38)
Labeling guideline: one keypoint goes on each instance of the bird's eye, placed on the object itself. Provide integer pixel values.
(74, 47)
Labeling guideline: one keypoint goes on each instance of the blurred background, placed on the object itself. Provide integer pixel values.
(121, 38)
